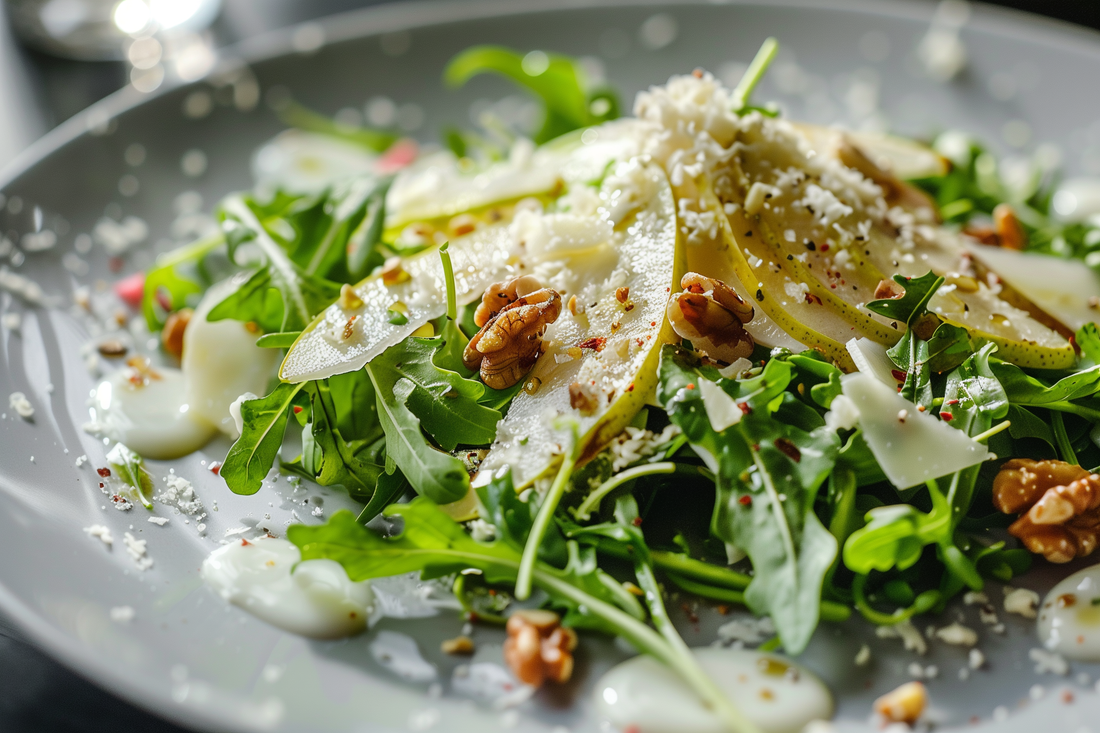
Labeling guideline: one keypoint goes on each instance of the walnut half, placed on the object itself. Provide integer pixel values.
(508, 345)
(500, 295)
(539, 648)
(712, 316)
(1059, 504)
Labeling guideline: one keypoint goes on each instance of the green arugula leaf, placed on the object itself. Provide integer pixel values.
(913, 301)
(768, 476)
(264, 422)
(514, 519)
(1026, 424)
(1024, 389)
(446, 404)
(348, 437)
(1088, 341)
(570, 101)
(181, 276)
(130, 467)
(896, 535)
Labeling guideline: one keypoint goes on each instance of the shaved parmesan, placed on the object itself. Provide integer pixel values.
(912, 450)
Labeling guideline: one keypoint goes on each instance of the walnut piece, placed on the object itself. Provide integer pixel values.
(903, 705)
(500, 295)
(1059, 504)
(712, 316)
(171, 336)
(538, 648)
(508, 345)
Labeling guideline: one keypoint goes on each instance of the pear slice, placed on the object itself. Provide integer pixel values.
(775, 293)
(349, 334)
(907, 159)
(606, 354)
(1066, 290)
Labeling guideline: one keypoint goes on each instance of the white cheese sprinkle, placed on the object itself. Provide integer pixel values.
(1047, 661)
(159, 521)
(958, 635)
(22, 406)
(135, 548)
(101, 533)
(1021, 601)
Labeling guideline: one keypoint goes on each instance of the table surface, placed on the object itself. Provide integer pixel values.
(36, 93)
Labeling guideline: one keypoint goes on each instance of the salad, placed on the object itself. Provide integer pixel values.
(873, 361)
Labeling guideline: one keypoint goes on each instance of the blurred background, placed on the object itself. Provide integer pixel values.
(57, 57)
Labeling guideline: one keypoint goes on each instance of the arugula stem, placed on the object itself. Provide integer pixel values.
(592, 502)
(1080, 411)
(683, 566)
(754, 73)
(449, 281)
(1062, 438)
(830, 610)
(686, 663)
(999, 427)
(924, 602)
(542, 521)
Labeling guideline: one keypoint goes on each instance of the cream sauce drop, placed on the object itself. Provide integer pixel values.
(317, 599)
(147, 410)
(1069, 619)
(776, 694)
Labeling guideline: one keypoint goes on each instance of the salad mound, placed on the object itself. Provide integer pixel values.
(517, 349)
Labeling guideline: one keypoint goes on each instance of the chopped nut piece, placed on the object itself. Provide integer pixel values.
(112, 348)
(393, 272)
(538, 648)
(712, 316)
(462, 224)
(172, 334)
(502, 294)
(1010, 234)
(903, 705)
(508, 345)
(584, 397)
(887, 289)
(957, 635)
(622, 294)
(349, 300)
(1062, 505)
(458, 645)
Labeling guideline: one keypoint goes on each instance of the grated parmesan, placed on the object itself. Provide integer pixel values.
(22, 406)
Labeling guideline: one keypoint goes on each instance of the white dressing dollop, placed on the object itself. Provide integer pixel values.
(1069, 619)
(221, 362)
(775, 693)
(146, 408)
(314, 599)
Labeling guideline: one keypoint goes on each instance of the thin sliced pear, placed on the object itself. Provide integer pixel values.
(1066, 290)
(344, 339)
(907, 159)
(608, 350)
(441, 185)
(807, 323)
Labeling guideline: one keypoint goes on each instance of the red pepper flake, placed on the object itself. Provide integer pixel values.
(492, 591)
(756, 447)
(952, 402)
(653, 324)
(946, 416)
(637, 521)
(101, 484)
(297, 409)
(596, 343)
(692, 616)
(825, 248)
(244, 542)
(745, 500)
(898, 374)
(1067, 696)
(216, 468)
(788, 449)
(630, 387)
(691, 386)
(811, 298)
(104, 472)
(745, 409)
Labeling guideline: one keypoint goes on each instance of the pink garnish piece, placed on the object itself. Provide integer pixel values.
(401, 153)
(131, 289)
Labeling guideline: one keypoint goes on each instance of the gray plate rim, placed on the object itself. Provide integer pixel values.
(397, 17)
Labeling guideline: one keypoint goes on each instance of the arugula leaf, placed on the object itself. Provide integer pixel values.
(1088, 341)
(130, 467)
(514, 519)
(303, 295)
(1026, 424)
(446, 404)
(973, 396)
(917, 291)
(768, 476)
(347, 434)
(168, 288)
(570, 101)
(1024, 389)
(264, 422)
(895, 535)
